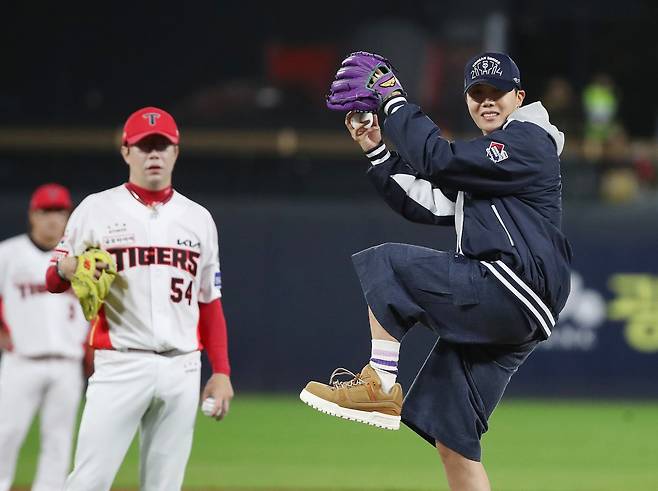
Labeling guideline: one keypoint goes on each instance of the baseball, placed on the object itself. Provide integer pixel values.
(361, 119)
(208, 406)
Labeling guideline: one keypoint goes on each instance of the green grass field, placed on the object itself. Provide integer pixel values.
(278, 443)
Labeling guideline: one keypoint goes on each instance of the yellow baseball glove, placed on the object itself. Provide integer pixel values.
(91, 292)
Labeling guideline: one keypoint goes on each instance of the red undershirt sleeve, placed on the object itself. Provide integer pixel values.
(212, 333)
(54, 282)
(3, 325)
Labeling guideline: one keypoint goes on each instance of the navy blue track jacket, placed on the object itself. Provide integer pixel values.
(501, 191)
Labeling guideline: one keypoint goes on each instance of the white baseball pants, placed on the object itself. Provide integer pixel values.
(54, 387)
(158, 394)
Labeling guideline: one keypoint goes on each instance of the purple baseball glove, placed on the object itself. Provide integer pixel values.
(363, 82)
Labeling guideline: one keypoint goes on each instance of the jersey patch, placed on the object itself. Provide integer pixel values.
(496, 152)
(127, 238)
(218, 280)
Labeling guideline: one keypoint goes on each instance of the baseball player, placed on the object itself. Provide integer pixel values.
(161, 309)
(42, 338)
(494, 298)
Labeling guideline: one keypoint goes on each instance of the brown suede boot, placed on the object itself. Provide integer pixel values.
(359, 399)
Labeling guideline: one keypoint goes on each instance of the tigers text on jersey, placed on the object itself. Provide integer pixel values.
(40, 323)
(167, 261)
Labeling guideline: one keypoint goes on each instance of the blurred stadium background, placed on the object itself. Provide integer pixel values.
(245, 81)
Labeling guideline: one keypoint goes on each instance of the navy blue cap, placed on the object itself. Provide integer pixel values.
(491, 68)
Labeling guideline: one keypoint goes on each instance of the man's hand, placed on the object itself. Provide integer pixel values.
(219, 388)
(69, 264)
(367, 138)
(91, 281)
(66, 267)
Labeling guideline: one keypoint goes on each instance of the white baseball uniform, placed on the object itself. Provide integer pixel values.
(44, 369)
(147, 362)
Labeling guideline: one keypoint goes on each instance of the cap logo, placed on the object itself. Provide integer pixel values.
(486, 65)
(151, 117)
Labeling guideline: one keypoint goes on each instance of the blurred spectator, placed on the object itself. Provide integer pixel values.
(627, 170)
(619, 185)
(560, 101)
(645, 170)
(600, 106)
(624, 171)
(619, 181)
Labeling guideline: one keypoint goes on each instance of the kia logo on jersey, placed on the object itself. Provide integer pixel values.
(496, 152)
(189, 243)
(152, 118)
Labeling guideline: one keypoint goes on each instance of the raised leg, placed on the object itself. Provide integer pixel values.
(463, 474)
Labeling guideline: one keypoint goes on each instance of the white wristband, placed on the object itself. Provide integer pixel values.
(59, 271)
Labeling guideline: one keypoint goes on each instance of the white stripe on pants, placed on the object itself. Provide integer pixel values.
(158, 394)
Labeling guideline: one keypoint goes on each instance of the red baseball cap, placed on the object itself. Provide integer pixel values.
(51, 196)
(149, 121)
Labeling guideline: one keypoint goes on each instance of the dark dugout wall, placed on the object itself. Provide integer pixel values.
(295, 309)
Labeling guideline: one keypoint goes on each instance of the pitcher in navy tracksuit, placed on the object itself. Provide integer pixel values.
(494, 298)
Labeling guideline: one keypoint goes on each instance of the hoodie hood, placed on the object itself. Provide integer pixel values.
(535, 113)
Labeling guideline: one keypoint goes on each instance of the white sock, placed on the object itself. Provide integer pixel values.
(384, 359)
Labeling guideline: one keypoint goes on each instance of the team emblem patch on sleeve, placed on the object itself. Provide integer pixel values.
(218, 280)
(496, 152)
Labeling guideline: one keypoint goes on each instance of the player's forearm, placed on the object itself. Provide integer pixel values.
(54, 282)
(59, 274)
(463, 165)
(212, 330)
(418, 141)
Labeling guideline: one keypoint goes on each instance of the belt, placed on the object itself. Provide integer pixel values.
(168, 353)
(48, 357)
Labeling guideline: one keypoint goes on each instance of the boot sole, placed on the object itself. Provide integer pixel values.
(373, 418)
